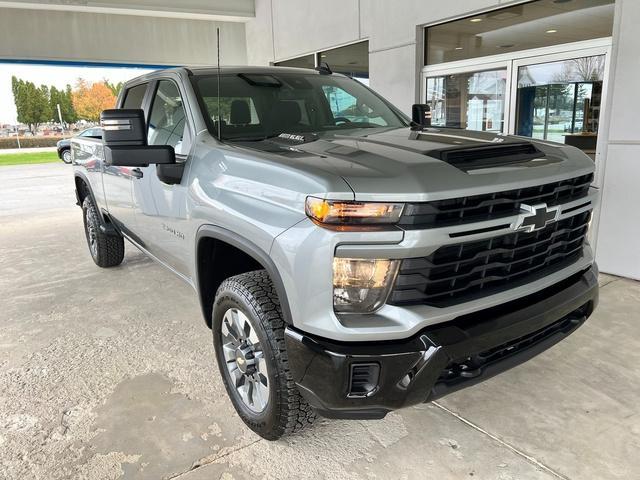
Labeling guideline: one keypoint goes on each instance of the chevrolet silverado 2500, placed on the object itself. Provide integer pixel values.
(348, 261)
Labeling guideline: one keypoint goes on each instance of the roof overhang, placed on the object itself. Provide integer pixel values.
(213, 10)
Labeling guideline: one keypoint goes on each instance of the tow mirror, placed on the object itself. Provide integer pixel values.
(124, 134)
(421, 115)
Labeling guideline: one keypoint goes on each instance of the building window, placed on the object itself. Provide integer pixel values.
(306, 61)
(560, 101)
(530, 25)
(472, 101)
(352, 60)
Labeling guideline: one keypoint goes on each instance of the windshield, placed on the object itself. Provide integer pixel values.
(255, 106)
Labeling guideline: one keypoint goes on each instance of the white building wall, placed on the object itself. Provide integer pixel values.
(394, 31)
(29, 34)
(618, 245)
(395, 41)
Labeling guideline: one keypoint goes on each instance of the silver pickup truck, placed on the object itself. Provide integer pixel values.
(349, 260)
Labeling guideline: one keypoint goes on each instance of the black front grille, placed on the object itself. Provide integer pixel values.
(479, 208)
(462, 272)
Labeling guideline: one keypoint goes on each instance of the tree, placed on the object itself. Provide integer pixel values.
(62, 98)
(114, 87)
(89, 100)
(32, 103)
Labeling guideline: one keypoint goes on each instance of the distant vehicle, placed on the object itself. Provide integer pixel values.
(64, 145)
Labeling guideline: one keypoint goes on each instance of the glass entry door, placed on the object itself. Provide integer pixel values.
(554, 95)
(560, 101)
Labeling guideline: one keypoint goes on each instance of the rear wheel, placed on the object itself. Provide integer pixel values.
(248, 334)
(106, 250)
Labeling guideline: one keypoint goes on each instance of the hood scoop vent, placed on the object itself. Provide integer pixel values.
(487, 156)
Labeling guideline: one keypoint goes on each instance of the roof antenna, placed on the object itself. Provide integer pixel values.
(219, 111)
(324, 68)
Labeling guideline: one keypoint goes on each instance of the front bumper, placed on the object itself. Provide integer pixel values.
(441, 358)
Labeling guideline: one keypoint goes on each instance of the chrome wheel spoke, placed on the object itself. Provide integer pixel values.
(229, 351)
(241, 323)
(236, 375)
(253, 336)
(261, 391)
(245, 359)
(229, 325)
(262, 367)
(243, 390)
(229, 336)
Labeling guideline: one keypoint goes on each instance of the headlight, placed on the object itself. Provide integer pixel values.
(362, 285)
(339, 212)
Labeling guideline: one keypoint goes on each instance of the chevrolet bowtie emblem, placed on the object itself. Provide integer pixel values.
(535, 217)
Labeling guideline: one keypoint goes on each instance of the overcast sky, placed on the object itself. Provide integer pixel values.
(55, 76)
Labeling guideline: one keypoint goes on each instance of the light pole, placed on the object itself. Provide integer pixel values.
(60, 118)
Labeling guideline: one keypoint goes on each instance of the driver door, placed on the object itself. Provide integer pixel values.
(118, 181)
(160, 207)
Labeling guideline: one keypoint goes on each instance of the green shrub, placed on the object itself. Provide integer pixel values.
(28, 142)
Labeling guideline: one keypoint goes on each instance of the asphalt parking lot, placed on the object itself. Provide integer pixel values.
(108, 374)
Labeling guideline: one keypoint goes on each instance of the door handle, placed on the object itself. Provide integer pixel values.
(136, 172)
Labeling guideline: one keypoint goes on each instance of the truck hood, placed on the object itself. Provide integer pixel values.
(402, 164)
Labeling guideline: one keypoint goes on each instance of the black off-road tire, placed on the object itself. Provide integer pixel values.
(106, 250)
(254, 295)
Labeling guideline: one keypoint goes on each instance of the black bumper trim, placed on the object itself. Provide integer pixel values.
(442, 358)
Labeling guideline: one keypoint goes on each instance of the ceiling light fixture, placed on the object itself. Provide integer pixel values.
(458, 48)
(552, 31)
(475, 20)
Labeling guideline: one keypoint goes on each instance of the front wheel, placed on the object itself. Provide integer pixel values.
(248, 336)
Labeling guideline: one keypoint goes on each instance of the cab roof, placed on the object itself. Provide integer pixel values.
(224, 70)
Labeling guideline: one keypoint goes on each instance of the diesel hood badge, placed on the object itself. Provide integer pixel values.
(535, 217)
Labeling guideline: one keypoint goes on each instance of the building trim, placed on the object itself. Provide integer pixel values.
(80, 63)
(236, 17)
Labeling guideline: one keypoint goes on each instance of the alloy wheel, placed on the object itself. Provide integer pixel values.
(92, 234)
(245, 360)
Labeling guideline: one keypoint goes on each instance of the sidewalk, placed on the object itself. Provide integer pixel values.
(27, 150)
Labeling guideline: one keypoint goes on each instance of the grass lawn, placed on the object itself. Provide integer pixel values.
(27, 158)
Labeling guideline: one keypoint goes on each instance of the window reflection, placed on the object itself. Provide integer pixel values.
(560, 101)
(520, 27)
(473, 101)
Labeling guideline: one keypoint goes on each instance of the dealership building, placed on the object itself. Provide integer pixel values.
(557, 70)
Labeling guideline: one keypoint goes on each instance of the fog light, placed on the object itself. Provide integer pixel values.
(362, 285)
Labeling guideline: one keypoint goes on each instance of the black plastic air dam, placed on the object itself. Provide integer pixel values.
(442, 358)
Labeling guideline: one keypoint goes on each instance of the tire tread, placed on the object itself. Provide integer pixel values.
(258, 290)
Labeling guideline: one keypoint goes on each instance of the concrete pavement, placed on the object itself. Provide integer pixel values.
(108, 374)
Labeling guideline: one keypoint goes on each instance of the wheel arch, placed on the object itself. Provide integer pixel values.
(83, 189)
(240, 256)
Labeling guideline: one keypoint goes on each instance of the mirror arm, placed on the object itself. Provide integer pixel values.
(170, 173)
